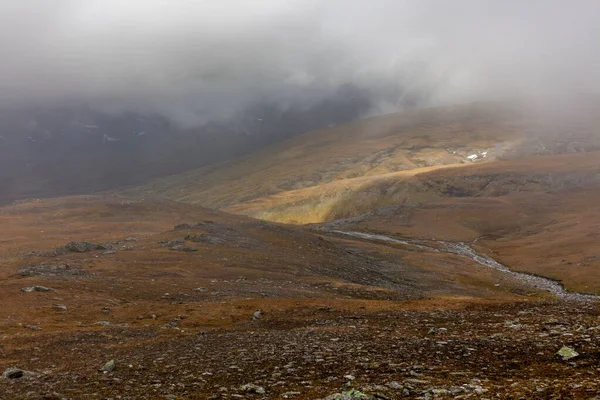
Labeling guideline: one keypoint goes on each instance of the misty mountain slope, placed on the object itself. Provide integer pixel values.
(457, 135)
(47, 152)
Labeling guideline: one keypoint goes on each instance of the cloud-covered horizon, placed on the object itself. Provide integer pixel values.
(193, 61)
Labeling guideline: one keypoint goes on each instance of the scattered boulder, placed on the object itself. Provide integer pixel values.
(30, 289)
(181, 227)
(52, 270)
(59, 251)
(252, 389)
(204, 238)
(169, 243)
(567, 353)
(83, 247)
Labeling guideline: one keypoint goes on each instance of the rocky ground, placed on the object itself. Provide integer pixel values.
(476, 351)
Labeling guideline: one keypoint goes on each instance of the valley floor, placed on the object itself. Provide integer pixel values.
(118, 298)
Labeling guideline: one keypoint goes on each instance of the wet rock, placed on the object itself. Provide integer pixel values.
(567, 353)
(109, 366)
(252, 389)
(30, 289)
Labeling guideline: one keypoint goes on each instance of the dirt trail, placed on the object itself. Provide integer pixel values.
(465, 250)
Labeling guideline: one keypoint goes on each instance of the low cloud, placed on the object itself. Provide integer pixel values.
(196, 60)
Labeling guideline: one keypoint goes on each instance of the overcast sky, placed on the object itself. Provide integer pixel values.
(198, 59)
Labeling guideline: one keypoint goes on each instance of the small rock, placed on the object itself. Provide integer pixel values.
(480, 390)
(181, 247)
(253, 389)
(380, 396)
(109, 366)
(349, 377)
(60, 307)
(567, 353)
(33, 327)
(349, 395)
(257, 315)
(36, 289)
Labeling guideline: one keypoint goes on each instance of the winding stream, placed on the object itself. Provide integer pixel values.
(464, 250)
